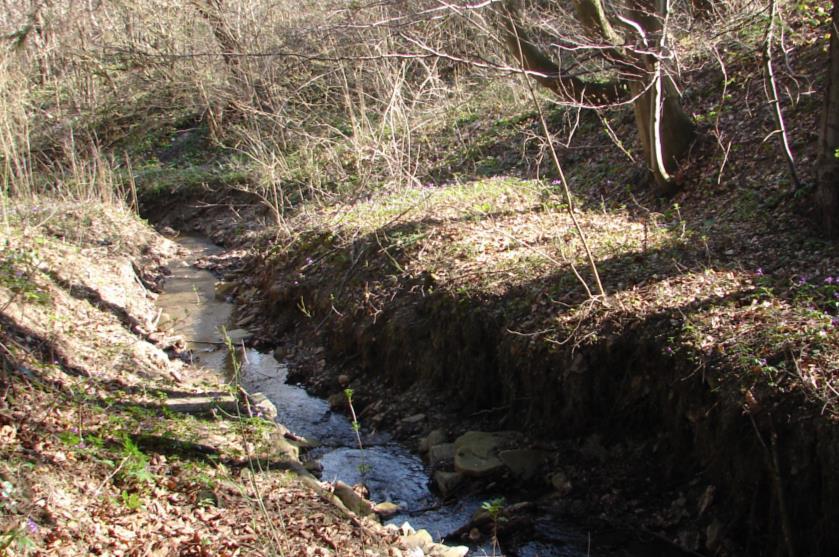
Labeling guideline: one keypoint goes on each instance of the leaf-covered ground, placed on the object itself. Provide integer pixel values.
(92, 462)
(733, 259)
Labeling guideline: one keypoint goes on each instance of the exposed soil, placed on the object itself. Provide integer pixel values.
(95, 461)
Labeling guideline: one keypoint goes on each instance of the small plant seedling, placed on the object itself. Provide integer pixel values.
(17, 538)
(494, 507)
(131, 501)
(364, 467)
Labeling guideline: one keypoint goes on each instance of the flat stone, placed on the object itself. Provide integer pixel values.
(476, 452)
(237, 335)
(524, 464)
(439, 454)
(421, 539)
(386, 509)
(447, 482)
(203, 404)
(436, 437)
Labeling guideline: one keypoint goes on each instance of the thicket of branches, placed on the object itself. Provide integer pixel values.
(325, 95)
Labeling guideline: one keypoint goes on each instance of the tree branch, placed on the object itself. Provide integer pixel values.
(549, 74)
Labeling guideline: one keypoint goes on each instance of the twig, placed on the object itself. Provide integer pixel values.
(110, 476)
(772, 95)
(566, 189)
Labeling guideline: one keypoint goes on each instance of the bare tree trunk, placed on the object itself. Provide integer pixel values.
(676, 130)
(827, 194)
(211, 11)
(665, 130)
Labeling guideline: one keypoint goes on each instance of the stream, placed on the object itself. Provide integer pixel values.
(392, 472)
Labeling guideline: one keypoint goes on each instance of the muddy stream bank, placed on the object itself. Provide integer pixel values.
(388, 469)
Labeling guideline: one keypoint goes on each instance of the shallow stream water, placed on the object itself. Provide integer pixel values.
(391, 472)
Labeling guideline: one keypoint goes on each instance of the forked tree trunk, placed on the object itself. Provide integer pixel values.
(676, 129)
(827, 194)
(666, 131)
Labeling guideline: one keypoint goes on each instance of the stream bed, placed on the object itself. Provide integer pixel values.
(391, 472)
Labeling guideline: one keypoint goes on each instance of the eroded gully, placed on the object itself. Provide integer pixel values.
(390, 471)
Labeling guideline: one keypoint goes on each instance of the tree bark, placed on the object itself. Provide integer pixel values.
(827, 193)
(636, 74)
(210, 10)
(666, 131)
(568, 88)
(676, 129)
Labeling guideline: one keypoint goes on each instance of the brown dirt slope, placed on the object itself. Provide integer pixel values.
(92, 462)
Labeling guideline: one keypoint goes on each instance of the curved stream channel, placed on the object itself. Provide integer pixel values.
(392, 473)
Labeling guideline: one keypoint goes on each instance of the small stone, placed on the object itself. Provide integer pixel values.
(386, 509)
(706, 500)
(222, 290)
(246, 320)
(593, 448)
(352, 500)
(713, 535)
(237, 336)
(406, 529)
(476, 452)
(421, 539)
(284, 450)
(447, 482)
(689, 539)
(314, 467)
(436, 437)
(262, 406)
(415, 419)
(337, 401)
(203, 404)
(441, 454)
(411, 424)
(524, 464)
(440, 550)
(561, 483)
